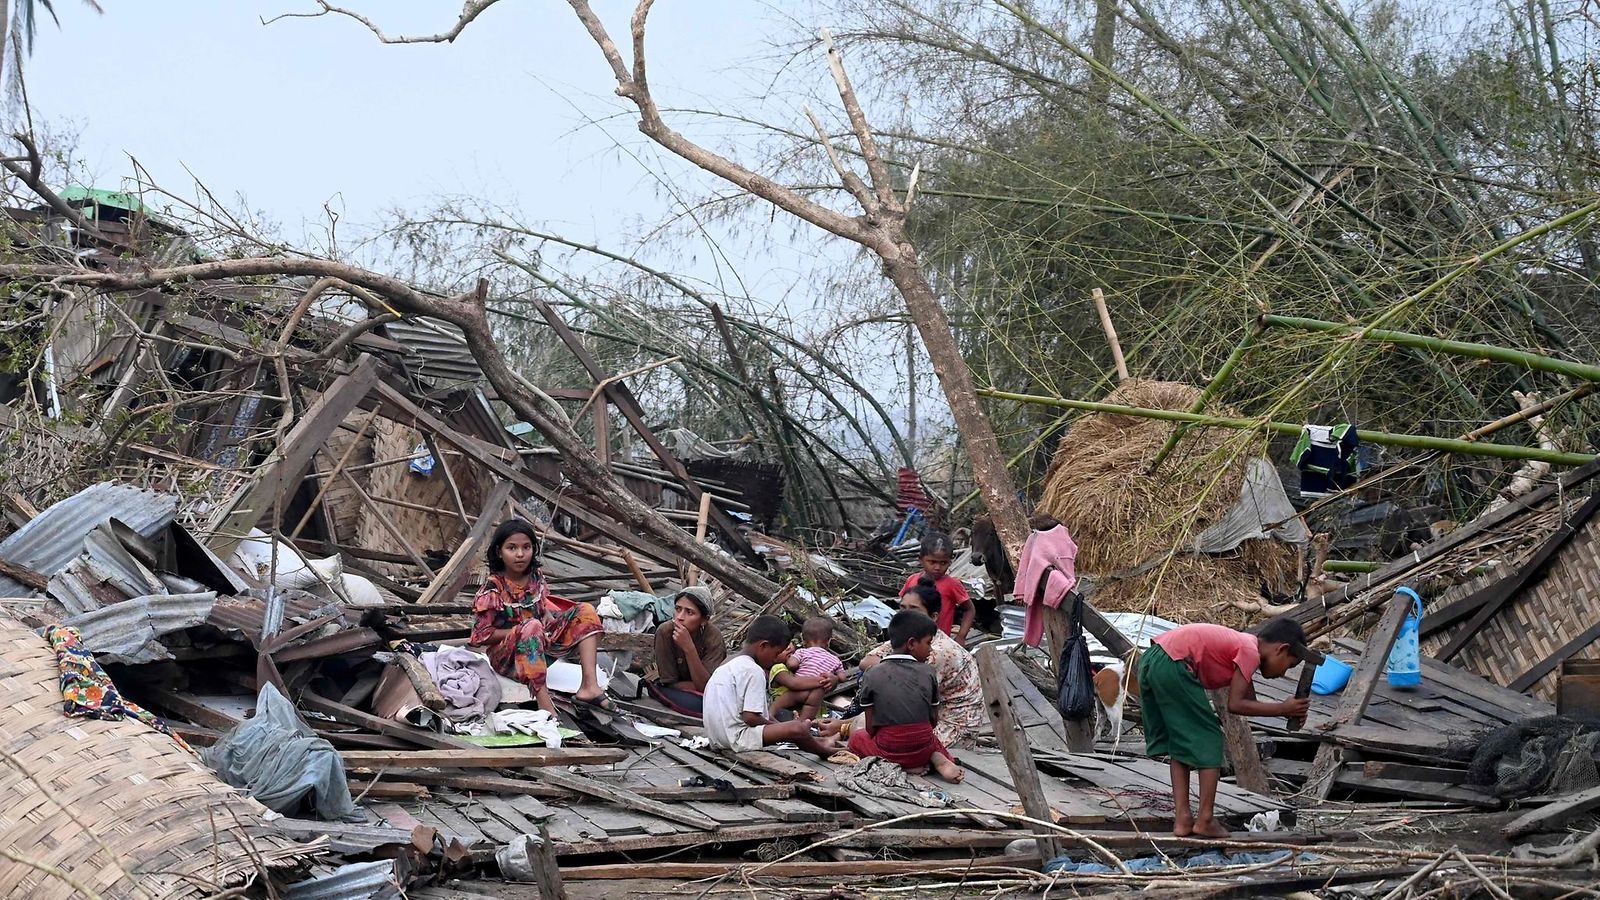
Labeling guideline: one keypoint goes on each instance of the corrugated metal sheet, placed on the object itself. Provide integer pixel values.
(105, 573)
(438, 351)
(55, 537)
(128, 631)
(357, 881)
(245, 614)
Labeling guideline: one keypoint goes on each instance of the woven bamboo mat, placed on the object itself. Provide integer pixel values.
(112, 809)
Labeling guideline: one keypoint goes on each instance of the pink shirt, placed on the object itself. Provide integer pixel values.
(1213, 652)
(810, 662)
(952, 594)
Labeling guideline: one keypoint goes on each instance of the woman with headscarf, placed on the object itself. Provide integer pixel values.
(522, 626)
(688, 649)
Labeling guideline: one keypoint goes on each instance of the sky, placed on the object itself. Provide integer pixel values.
(308, 113)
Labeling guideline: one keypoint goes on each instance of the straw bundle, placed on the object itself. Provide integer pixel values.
(1121, 517)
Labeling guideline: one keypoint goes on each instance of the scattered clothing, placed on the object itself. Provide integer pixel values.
(909, 746)
(815, 662)
(1047, 573)
(1323, 455)
(1214, 652)
(277, 760)
(961, 711)
(738, 686)
(542, 626)
(1179, 721)
(656, 732)
(537, 722)
(952, 596)
(87, 692)
(467, 681)
(875, 776)
(627, 604)
(1208, 859)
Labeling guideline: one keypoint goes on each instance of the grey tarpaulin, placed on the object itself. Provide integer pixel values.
(1263, 511)
(277, 760)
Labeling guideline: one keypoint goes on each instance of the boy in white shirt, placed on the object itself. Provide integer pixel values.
(735, 715)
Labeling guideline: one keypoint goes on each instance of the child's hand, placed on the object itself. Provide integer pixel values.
(1296, 707)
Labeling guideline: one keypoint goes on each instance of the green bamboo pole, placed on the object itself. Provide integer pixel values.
(1223, 374)
(1351, 566)
(1413, 441)
(1521, 358)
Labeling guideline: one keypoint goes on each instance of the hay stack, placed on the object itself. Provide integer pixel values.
(1121, 517)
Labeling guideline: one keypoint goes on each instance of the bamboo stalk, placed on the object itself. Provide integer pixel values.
(1223, 374)
(1521, 358)
(1413, 441)
(1111, 333)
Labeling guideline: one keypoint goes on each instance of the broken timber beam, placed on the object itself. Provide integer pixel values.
(627, 404)
(281, 475)
(475, 757)
(1014, 747)
(1355, 697)
(1241, 746)
(452, 576)
(592, 787)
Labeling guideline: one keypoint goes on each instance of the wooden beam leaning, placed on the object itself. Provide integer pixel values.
(1014, 746)
(452, 576)
(1237, 739)
(1357, 694)
(281, 475)
(627, 404)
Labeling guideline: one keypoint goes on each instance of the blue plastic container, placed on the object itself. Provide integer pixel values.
(1331, 676)
(1405, 658)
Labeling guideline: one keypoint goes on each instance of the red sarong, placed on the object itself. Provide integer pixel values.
(908, 746)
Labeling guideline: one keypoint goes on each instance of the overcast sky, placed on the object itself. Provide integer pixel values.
(311, 112)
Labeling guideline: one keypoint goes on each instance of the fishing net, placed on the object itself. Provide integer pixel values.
(1547, 755)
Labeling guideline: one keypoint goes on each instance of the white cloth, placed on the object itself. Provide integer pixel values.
(737, 686)
(536, 722)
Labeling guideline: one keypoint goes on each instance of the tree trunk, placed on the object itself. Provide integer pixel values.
(1103, 45)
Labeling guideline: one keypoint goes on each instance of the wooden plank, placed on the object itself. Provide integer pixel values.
(974, 868)
(280, 476)
(1356, 695)
(799, 811)
(593, 787)
(474, 756)
(1240, 743)
(1507, 589)
(1132, 841)
(452, 576)
(614, 821)
(403, 730)
(512, 817)
(724, 836)
(1014, 746)
(1408, 772)
(627, 404)
(1071, 805)
(1470, 689)
(1547, 665)
(1051, 733)
(1554, 816)
(1351, 777)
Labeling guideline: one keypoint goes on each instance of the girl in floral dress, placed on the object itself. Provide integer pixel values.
(521, 625)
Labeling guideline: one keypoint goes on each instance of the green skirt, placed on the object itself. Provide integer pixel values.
(1179, 721)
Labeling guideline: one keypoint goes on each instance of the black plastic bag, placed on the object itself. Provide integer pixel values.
(1075, 679)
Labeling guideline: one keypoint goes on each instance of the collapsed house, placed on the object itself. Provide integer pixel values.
(252, 502)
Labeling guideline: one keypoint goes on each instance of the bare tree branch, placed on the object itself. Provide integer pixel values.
(858, 121)
(469, 11)
(32, 176)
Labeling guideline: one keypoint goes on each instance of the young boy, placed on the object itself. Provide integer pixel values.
(808, 673)
(1179, 721)
(736, 699)
(901, 699)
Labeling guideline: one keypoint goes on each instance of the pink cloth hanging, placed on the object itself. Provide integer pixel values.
(1050, 551)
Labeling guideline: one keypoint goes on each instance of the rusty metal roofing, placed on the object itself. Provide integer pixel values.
(128, 631)
(55, 537)
(436, 351)
(357, 881)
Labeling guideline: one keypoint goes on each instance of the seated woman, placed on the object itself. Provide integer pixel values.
(961, 711)
(688, 649)
(523, 626)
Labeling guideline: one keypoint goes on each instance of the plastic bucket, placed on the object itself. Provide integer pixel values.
(1331, 676)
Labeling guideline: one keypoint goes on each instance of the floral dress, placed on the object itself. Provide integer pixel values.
(961, 712)
(542, 626)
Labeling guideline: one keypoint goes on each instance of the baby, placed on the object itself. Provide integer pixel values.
(808, 673)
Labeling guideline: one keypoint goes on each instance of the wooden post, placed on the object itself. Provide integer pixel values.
(1248, 770)
(638, 573)
(1057, 626)
(1014, 747)
(602, 432)
(417, 674)
(546, 873)
(449, 478)
(1111, 334)
(1357, 694)
(691, 575)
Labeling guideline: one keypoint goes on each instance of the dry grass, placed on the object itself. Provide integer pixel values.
(1121, 517)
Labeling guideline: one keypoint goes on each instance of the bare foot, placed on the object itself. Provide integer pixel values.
(947, 768)
(1210, 828)
(1182, 827)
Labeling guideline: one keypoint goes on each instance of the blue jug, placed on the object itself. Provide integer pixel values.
(1405, 658)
